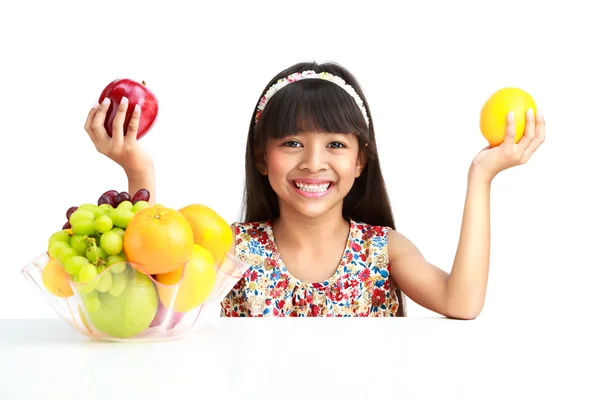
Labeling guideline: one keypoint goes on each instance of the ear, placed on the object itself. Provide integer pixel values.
(361, 161)
(261, 161)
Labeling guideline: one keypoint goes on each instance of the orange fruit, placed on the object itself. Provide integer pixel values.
(211, 231)
(494, 113)
(199, 275)
(158, 240)
(55, 279)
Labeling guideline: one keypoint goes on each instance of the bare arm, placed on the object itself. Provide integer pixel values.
(143, 180)
(461, 294)
(467, 284)
(122, 148)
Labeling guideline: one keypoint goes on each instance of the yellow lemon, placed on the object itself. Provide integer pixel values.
(55, 279)
(495, 111)
(211, 231)
(199, 275)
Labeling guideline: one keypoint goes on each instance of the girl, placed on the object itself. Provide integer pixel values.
(318, 229)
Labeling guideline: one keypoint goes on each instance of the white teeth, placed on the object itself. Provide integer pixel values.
(312, 188)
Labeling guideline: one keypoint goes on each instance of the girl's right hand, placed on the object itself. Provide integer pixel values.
(122, 149)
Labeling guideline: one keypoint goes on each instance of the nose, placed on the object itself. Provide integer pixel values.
(314, 159)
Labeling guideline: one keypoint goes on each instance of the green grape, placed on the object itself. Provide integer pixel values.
(101, 253)
(91, 302)
(55, 247)
(73, 264)
(103, 223)
(106, 207)
(120, 231)
(87, 273)
(91, 253)
(116, 263)
(81, 215)
(87, 207)
(79, 243)
(105, 280)
(118, 284)
(121, 217)
(84, 288)
(60, 236)
(140, 205)
(126, 205)
(96, 238)
(85, 284)
(85, 227)
(65, 253)
(111, 243)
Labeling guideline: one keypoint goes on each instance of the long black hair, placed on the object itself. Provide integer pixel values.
(316, 105)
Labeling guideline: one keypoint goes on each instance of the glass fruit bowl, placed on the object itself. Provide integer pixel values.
(123, 303)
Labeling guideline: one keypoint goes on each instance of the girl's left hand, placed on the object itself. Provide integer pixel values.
(491, 160)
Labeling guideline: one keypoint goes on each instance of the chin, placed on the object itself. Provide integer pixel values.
(312, 210)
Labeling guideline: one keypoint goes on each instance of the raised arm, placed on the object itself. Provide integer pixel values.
(143, 180)
(461, 294)
(123, 149)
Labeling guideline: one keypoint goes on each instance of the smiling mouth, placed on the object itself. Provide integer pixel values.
(311, 187)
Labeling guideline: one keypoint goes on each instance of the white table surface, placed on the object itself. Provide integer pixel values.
(307, 358)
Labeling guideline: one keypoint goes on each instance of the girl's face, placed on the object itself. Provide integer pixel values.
(311, 173)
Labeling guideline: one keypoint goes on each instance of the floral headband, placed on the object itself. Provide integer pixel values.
(298, 76)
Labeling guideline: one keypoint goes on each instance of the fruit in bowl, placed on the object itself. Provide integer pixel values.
(126, 308)
(126, 270)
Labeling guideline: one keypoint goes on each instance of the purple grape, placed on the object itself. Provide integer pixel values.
(105, 199)
(141, 195)
(111, 193)
(67, 225)
(121, 197)
(70, 211)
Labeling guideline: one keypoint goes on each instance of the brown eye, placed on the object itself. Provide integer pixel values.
(337, 145)
(291, 143)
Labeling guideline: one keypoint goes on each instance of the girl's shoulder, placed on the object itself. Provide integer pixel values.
(245, 234)
(246, 231)
(364, 233)
(367, 230)
(239, 227)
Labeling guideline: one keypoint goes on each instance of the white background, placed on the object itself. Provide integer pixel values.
(426, 69)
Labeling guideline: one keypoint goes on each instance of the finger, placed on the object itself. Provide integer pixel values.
(540, 136)
(98, 121)
(88, 122)
(540, 127)
(511, 129)
(134, 124)
(529, 135)
(119, 121)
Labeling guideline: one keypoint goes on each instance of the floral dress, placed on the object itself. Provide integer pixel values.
(360, 286)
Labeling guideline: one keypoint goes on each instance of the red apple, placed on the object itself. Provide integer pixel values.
(136, 93)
